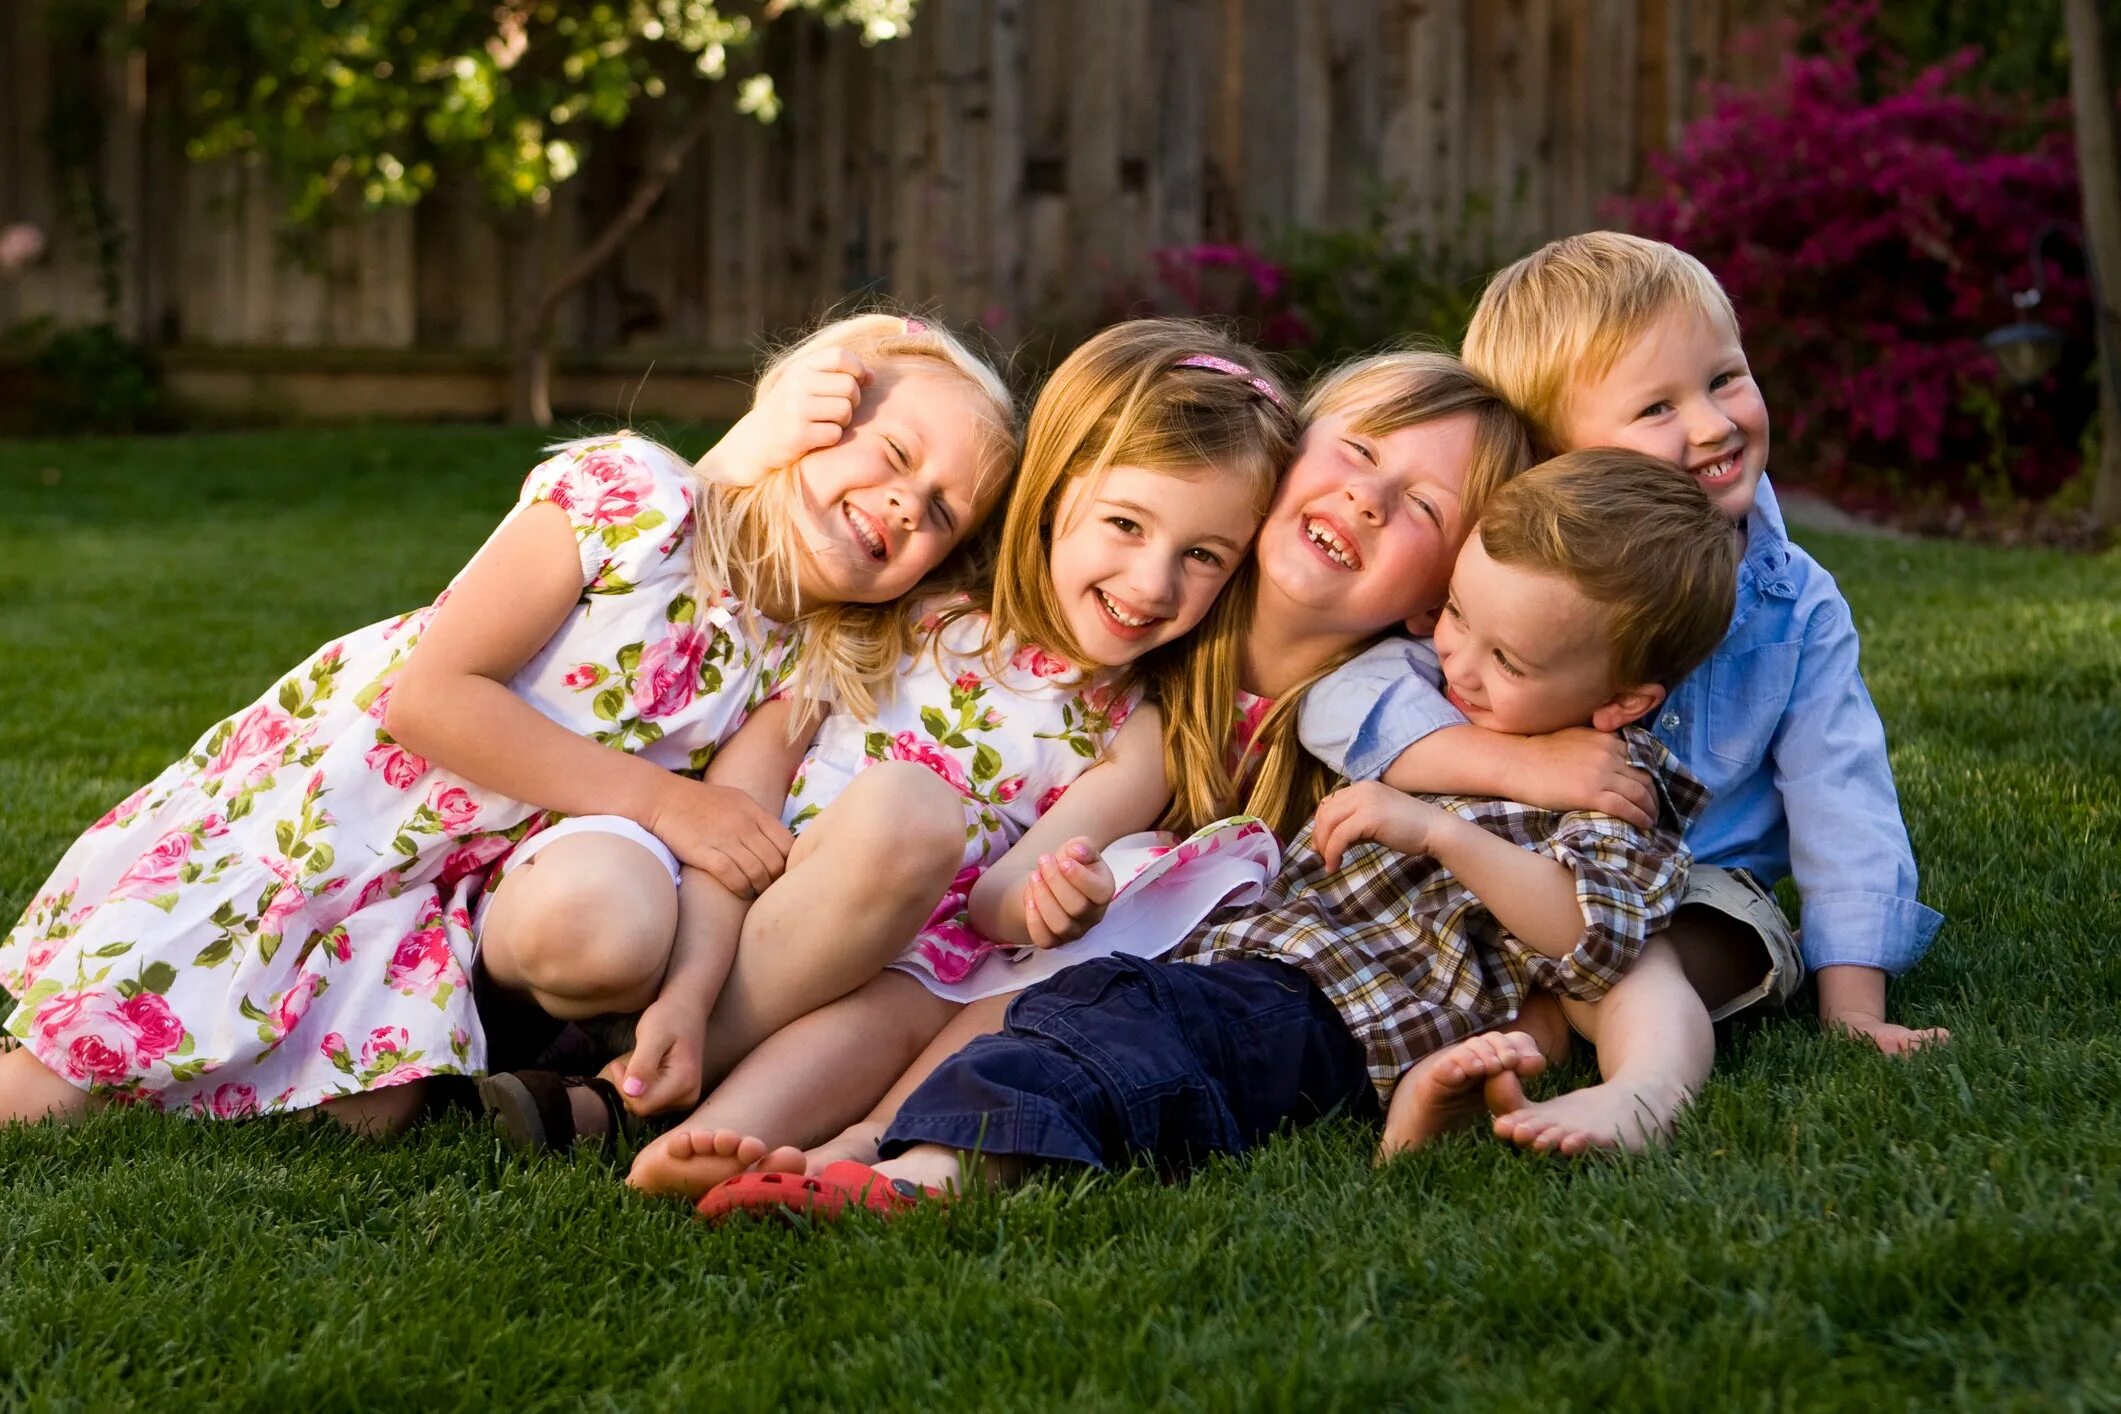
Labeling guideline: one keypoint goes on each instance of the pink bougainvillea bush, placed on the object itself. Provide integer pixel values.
(1870, 220)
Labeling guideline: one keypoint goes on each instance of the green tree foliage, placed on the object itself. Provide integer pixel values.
(358, 105)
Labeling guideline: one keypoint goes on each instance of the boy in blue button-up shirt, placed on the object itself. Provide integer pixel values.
(1611, 340)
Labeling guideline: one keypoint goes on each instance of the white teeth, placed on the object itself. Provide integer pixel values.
(1321, 535)
(1721, 467)
(871, 541)
(1113, 609)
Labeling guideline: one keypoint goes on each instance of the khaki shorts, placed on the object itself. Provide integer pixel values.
(1737, 895)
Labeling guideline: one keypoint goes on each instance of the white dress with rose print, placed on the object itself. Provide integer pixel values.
(285, 915)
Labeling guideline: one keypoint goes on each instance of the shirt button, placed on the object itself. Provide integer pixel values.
(1670, 721)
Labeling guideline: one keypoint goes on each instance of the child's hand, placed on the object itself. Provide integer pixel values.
(662, 1072)
(1065, 897)
(1580, 768)
(1371, 810)
(722, 832)
(807, 410)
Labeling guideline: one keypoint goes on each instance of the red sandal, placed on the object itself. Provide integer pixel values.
(825, 1196)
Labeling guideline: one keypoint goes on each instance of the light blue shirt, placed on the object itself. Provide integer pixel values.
(1777, 724)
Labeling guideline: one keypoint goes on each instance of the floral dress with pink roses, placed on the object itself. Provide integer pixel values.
(284, 916)
(1164, 886)
(1009, 742)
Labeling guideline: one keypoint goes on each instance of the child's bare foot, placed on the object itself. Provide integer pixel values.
(1889, 1037)
(1615, 1115)
(1456, 1086)
(858, 1142)
(687, 1162)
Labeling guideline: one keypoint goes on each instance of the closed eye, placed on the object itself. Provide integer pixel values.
(898, 453)
(1427, 508)
(1361, 449)
(1507, 666)
(1656, 409)
(946, 517)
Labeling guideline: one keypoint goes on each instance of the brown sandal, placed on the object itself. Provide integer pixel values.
(536, 1111)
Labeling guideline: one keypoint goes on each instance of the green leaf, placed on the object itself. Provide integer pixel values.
(609, 703)
(614, 536)
(112, 950)
(403, 844)
(681, 609)
(290, 695)
(648, 733)
(216, 952)
(283, 835)
(268, 945)
(1082, 746)
(936, 724)
(630, 657)
(158, 977)
(986, 764)
(320, 859)
(877, 746)
(650, 519)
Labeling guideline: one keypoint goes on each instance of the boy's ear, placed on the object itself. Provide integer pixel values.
(1630, 704)
(1423, 624)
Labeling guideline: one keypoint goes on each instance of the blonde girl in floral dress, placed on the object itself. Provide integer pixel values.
(286, 916)
(969, 810)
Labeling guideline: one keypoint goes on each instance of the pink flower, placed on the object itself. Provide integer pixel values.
(670, 671)
(155, 872)
(1038, 662)
(262, 731)
(1046, 801)
(471, 858)
(383, 886)
(122, 809)
(230, 1101)
(583, 676)
(967, 682)
(88, 1034)
(603, 489)
(156, 1030)
(991, 718)
(39, 957)
(399, 768)
(422, 962)
(382, 1042)
(286, 900)
(400, 1075)
(454, 807)
(294, 1004)
(1007, 790)
(334, 1049)
(952, 950)
(908, 747)
(380, 703)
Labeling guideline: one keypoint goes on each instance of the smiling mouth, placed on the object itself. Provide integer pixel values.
(1122, 620)
(1331, 543)
(1720, 470)
(867, 533)
(1451, 695)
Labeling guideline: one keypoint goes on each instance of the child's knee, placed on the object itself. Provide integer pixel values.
(903, 815)
(593, 917)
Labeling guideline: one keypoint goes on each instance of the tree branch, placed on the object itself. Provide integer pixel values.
(654, 182)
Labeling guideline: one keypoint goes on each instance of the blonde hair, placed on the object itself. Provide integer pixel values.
(746, 539)
(1277, 780)
(1139, 394)
(1635, 535)
(1564, 314)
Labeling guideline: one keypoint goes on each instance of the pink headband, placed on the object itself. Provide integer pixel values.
(915, 326)
(1236, 370)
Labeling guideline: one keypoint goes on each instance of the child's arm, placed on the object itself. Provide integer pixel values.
(1529, 894)
(1383, 716)
(451, 704)
(1051, 887)
(1849, 850)
(663, 1070)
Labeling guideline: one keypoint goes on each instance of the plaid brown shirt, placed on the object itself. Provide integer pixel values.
(1413, 961)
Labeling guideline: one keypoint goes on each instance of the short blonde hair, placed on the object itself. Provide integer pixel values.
(1564, 314)
(1635, 535)
(746, 538)
(1277, 780)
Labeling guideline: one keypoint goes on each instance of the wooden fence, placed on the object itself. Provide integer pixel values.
(1008, 163)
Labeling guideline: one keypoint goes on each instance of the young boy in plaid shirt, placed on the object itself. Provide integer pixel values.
(1401, 930)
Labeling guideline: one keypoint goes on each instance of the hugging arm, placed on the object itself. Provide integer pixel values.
(1051, 887)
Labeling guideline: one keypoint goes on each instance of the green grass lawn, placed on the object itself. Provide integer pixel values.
(1831, 1228)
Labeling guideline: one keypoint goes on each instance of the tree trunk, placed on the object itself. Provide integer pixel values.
(529, 321)
(2099, 178)
(531, 396)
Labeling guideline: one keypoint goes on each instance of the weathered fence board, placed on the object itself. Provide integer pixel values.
(1010, 163)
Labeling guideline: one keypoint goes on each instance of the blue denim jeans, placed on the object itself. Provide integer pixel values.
(1120, 1059)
